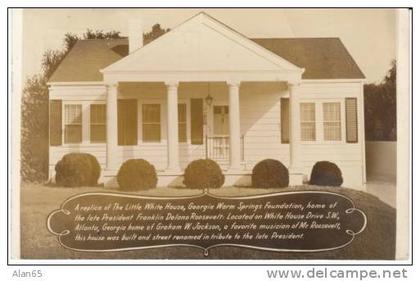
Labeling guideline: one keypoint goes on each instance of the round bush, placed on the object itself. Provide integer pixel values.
(137, 174)
(77, 169)
(203, 174)
(326, 173)
(270, 173)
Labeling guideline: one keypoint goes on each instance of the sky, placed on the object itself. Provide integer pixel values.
(368, 34)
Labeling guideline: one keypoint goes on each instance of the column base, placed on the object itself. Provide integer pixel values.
(295, 177)
(172, 171)
(109, 178)
(235, 170)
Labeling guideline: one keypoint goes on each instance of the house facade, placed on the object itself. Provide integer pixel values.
(203, 90)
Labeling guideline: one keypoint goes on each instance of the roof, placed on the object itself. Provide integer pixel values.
(87, 57)
(322, 58)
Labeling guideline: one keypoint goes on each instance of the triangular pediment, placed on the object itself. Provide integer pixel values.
(202, 44)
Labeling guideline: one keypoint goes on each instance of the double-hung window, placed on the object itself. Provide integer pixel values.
(73, 123)
(151, 122)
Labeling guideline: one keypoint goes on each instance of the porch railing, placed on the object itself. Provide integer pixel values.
(217, 148)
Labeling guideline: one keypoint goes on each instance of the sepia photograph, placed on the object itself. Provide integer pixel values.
(211, 134)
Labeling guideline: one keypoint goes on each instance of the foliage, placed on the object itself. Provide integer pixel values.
(77, 169)
(380, 108)
(34, 130)
(155, 33)
(203, 174)
(270, 173)
(137, 174)
(326, 173)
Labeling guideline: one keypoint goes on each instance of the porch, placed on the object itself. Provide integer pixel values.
(197, 124)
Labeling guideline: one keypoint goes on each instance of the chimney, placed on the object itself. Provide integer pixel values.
(135, 35)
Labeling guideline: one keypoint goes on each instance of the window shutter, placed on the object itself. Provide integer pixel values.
(127, 122)
(55, 122)
(284, 112)
(197, 121)
(351, 120)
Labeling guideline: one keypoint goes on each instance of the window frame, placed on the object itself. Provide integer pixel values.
(340, 120)
(161, 117)
(64, 123)
(319, 128)
(314, 121)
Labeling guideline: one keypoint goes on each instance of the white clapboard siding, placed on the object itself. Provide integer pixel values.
(260, 124)
(348, 156)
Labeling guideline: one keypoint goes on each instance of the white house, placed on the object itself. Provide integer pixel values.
(203, 90)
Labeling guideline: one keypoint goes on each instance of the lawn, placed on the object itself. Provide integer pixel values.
(37, 201)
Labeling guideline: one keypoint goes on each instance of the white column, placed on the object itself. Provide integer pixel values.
(295, 171)
(111, 126)
(172, 126)
(234, 126)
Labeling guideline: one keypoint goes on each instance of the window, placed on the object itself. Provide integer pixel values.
(73, 123)
(97, 123)
(307, 122)
(332, 121)
(151, 122)
(351, 120)
(182, 122)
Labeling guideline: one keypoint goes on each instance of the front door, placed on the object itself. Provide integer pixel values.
(221, 120)
(220, 139)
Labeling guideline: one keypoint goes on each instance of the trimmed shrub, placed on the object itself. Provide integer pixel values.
(203, 174)
(137, 174)
(326, 173)
(77, 169)
(270, 173)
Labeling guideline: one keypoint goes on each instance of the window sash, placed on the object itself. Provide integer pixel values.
(72, 133)
(73, 123)
(73, 114)
(307, 122)
(151, 123)
(97, 123)
(332, 121)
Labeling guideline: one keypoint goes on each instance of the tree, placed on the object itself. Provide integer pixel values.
(155, 33)
(381, 108)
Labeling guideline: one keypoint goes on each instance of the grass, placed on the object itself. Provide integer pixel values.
(37, 201)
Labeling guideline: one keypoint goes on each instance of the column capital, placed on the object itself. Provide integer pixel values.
(111, 85)
(233, 83)
(292, 85)
(171, 84)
